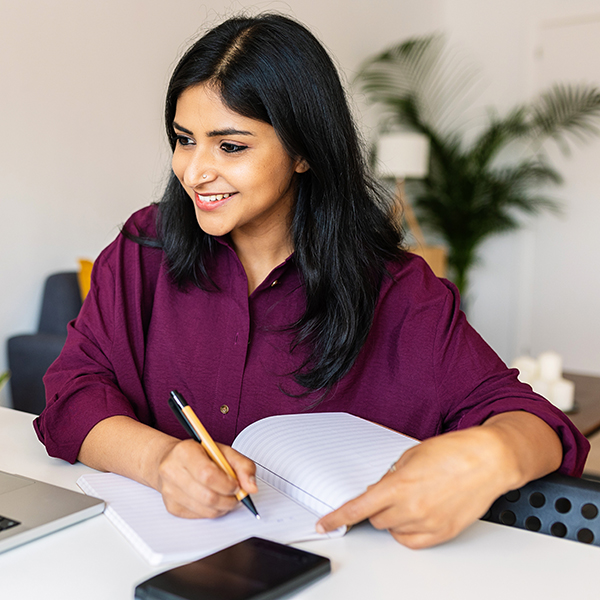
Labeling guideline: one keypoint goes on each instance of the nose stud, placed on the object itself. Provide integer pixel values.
(204, 176)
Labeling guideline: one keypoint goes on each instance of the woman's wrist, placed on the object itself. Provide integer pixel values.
(157, 449)
(504, 462)
(122, 445)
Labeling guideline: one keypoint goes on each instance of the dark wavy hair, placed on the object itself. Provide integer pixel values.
(272, 69)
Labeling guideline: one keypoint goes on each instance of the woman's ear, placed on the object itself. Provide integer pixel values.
(302, 166)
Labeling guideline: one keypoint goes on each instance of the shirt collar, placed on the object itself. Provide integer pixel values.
(274, 275)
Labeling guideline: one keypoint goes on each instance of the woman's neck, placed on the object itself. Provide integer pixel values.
(259, 256)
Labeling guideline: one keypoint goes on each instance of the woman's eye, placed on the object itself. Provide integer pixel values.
(183, 140)
(231, 148)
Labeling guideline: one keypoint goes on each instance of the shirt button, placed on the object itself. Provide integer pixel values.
(224, 409)
(275, 283)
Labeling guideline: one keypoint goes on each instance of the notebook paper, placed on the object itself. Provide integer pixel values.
(307, 465)
(160, 537)
(322, 459)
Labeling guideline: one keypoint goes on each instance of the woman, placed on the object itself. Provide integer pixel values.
(270, 280)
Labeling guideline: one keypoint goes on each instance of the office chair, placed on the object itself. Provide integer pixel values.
(557, 505)
(30, 355)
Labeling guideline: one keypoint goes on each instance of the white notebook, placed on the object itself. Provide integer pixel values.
(307, 465)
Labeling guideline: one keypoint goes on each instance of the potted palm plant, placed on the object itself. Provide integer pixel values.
(480, 179)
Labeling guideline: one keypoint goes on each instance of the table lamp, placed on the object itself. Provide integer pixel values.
(402, 155)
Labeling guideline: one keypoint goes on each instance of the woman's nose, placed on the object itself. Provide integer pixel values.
(199, 171)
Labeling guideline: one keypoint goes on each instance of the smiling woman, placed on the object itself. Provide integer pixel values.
(271, 279)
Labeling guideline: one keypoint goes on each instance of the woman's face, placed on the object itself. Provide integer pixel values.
(235, 169)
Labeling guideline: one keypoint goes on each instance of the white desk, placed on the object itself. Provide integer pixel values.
(487, 562)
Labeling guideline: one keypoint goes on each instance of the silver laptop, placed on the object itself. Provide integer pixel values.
(30, 509)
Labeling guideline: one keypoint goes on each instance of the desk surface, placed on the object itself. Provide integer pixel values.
(92, 560)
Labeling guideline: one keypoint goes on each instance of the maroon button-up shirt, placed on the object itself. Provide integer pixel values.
(422, 371)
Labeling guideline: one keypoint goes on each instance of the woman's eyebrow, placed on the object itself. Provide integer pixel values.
(177, 126)
(227, 131)
(214, 132)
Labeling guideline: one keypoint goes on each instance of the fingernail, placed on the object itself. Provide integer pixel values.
(320, 528)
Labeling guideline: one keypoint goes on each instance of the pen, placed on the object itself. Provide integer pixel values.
(191, 423)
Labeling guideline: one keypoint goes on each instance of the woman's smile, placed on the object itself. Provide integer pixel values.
(212, 201)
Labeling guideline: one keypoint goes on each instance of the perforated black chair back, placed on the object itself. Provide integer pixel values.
(556, 505)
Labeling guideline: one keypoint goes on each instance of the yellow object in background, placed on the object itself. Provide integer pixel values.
(4, 377)
(435, 256)
(84, 276)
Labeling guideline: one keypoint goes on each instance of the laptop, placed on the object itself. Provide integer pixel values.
(30, 509)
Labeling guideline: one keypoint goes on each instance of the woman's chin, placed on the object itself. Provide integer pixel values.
(213, 228)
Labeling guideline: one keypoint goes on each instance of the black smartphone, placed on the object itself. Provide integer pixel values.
(254, 569)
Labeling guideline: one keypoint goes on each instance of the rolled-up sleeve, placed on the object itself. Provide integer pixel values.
(473, 384)
(99, 372)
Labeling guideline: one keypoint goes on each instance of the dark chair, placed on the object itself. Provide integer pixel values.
(556, 505)
(29, 356)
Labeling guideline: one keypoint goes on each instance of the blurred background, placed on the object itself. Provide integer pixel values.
(82, 141)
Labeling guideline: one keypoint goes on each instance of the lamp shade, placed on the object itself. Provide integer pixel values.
(403, 155)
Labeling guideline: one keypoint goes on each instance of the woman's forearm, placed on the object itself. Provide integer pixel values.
(122, 445)
(531, 448)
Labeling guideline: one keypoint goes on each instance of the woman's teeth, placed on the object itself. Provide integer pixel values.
(215, 197)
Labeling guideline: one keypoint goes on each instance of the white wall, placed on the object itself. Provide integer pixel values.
(567, 250)
(537, 290)
(82, 143)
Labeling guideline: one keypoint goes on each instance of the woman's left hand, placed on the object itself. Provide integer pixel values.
(439, 487)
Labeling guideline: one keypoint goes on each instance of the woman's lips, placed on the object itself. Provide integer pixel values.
(212, 201)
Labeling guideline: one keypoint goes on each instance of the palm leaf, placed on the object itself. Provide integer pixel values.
(494, 138)
(477, 189)
(422, 69)
(566, 110)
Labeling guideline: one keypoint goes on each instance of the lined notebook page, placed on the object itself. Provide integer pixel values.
(321, 459)
(140, 515)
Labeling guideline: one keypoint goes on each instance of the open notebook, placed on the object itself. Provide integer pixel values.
(307, 465)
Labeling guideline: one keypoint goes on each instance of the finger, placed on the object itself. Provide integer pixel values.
(182, 492)
(187, 497)
(189, 478)
(201, 469)
(418, 541)
(415, 535)
(244, 468)
(195, 507)
(360, 508)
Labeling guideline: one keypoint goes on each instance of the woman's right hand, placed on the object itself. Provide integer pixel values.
(193, 486)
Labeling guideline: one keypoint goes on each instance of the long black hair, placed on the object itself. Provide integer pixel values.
(272, 69)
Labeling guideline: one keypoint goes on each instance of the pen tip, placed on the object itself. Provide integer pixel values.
(250, 505)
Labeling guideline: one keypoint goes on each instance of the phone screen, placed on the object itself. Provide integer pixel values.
(254, 569)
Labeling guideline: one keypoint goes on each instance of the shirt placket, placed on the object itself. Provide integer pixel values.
(235, 345)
